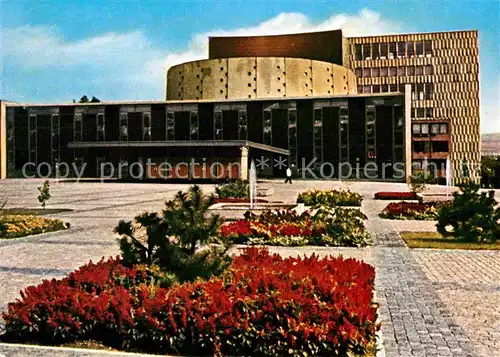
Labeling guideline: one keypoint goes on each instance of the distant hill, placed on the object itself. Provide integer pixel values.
(490, 144)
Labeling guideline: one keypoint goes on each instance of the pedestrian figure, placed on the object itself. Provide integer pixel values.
(288, 175)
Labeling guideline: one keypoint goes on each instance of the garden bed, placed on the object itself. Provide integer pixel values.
(323, 227)
(16, 226)
(331, 198)
(396, 196)
(425, 211)
(263, 305)
(434, 240)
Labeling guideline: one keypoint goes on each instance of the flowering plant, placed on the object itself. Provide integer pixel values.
(264, 305)
(330, 198)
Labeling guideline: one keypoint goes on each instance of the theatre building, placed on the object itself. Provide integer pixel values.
(306, 101)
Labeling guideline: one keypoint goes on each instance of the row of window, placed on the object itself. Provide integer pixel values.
(422, 113)
(391, 50)
(433, 129)
(394, 71)
(420, 91)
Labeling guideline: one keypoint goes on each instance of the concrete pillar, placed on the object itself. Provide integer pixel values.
(408, 131)
(244, 163)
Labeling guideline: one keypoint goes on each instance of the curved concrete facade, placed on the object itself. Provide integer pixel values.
(257, 77)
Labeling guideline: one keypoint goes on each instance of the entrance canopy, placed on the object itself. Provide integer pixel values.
(178, 144)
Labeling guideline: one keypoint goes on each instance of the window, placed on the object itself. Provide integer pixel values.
(429, 69)
(425, 129)
(367, 72)
(193, 126)
(419, 46)
(410, 71)
(384, 88)
(401, 49)
(375, 51)
(410, 51)
(367, 89)
(376, 72)
(359, 72)
(367, 51)
(419, 70)
(428, 48)
(420, 113)
(420, 91)
(435, 129)
(376, 88)
(170, 126)
(443, 128)
(429, 90)
(429, 112)
(393, 88)
(383, 50)
(416, 128)
(218, 125)
(357, 52)
(100, 127)
(392, 50)
(383, 71)
(360, 89)
(393, 71)
(401, 71)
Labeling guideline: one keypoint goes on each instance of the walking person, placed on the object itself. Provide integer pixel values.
(288, 175)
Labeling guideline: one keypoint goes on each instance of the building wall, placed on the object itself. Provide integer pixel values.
(257, 77)
(449, 70)
(322, 46)
(77, 136)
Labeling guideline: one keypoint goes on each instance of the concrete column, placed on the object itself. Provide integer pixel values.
(408, 132)
(244, 163)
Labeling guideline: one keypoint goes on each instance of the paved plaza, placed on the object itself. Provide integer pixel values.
(432, 302)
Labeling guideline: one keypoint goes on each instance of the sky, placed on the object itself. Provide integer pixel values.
(56, 51)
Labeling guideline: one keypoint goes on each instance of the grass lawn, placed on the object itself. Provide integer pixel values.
(32, 211)
(435, 240)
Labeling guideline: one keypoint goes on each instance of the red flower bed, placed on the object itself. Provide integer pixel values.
(264, 305)
(396, 196)
(237, 200)
(412, 210)
(396, 208)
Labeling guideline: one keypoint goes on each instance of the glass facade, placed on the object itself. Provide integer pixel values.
(327, 130)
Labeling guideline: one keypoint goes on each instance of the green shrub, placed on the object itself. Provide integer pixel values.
(234, 189)
(471, 216)
(330, 198)
(176, 240)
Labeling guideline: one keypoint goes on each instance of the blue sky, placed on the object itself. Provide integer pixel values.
(54, 51)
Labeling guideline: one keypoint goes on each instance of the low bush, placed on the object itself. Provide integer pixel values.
(330, 198)
(15, 226)
(396, 196)
(264, 305)
(234, 189)
(412, 210)
(327, 226)
(472, 216)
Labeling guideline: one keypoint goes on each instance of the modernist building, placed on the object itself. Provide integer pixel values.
(314, 99)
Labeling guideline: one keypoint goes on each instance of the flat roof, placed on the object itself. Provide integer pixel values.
(413, 33)
(177, 143)
(139, 102)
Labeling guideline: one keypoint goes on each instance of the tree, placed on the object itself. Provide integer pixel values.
(84, 99)
(177, 240)
(472, 216)
(44, 193)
